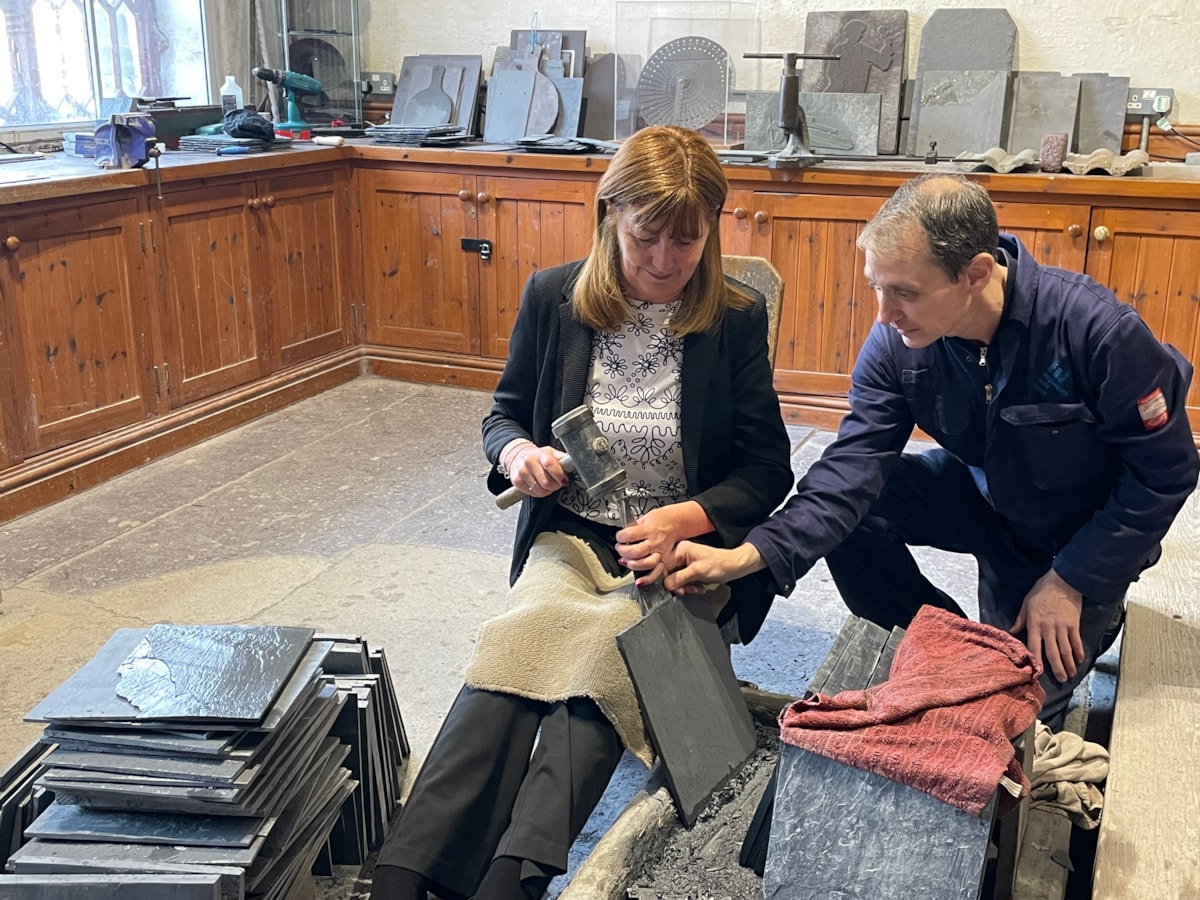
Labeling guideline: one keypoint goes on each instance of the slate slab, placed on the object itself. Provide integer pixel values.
(693, 707)
(962, 40)
(65, 821)
(963, 111)
(838, 831)
(872, 45)
(838, 124)
(1042, 103)
(103, 887)
(1103, 100)
(225, 674)
(459, 80)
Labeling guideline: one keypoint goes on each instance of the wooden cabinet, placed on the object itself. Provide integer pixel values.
(209, 264)
(532, 224)
(421, 288)
(425, 290)
(76, 322)
(252, 275)
(131, 324)
(1151, 259)
(302, 223)
(1054, 233)
(828, 308)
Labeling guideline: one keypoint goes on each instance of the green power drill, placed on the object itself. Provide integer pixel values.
(293, 83)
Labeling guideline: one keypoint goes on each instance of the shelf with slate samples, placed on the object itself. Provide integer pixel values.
(258, 754)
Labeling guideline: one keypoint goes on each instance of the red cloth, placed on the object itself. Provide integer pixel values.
(942, 723)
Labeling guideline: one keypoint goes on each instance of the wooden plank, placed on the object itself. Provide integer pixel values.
(1148, 843)
(1042, 867)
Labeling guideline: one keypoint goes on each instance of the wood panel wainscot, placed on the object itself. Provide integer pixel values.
(130, 314)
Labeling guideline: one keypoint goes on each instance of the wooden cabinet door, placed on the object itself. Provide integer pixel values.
(1054, 234)
(209, 262)
(532, 224)
(76, 334)
(1151, 259)
(827, 307)
(301, 220)
(737, 223)
(421, 288)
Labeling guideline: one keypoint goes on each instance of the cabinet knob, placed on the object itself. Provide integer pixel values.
(254, 203)
(760, 216)
(13, 243)
(483, 197)
(1101, 234)
(1074, 229)
(464, 195)
(269, 201)
(739, 212)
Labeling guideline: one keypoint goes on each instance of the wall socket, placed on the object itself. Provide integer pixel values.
(1149, 102)
(381, 82)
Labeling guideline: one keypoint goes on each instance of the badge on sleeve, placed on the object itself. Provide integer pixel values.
(1153, 410)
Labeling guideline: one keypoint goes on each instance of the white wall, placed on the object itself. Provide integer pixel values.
(1154, 42)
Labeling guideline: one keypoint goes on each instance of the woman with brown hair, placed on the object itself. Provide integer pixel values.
(671, 357)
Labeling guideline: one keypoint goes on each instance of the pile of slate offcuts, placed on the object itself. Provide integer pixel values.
(251, 755)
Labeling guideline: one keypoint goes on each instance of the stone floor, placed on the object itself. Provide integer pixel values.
(362, 510)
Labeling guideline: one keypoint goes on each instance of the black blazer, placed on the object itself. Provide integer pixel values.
(735, 447)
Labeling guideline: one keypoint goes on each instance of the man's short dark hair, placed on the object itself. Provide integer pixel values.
(955, 215)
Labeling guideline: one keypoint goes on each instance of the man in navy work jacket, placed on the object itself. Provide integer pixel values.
(1065, 450)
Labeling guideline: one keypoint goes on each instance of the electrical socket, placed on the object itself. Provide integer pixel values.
(381, 82)
(1154, 102)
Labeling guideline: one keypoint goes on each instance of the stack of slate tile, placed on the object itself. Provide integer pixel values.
(216, 750)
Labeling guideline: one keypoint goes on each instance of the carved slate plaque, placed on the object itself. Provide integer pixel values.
(962, 40)
(1042, 103)
(873, 61)
(838, 124)
(963, 111)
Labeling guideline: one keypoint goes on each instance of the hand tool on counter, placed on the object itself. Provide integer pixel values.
(796, 153)
(329, 140)
(293, 83)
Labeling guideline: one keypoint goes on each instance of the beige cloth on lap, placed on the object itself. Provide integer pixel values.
(558, 637)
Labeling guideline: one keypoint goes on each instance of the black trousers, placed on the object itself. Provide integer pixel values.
(932, 501)
(486, 791)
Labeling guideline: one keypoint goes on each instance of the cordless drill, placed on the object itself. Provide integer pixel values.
(293, 83)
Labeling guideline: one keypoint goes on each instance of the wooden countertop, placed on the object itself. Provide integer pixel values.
(59, 175)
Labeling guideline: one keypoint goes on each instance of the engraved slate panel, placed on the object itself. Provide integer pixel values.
(838, 124)
(873, 61)
(1042, 103)
(962, 40)
(1102, 103)
(963, 111)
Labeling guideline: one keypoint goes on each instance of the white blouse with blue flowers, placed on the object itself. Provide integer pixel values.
(633, 390)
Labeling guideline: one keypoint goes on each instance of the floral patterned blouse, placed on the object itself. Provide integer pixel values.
(633, 391)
